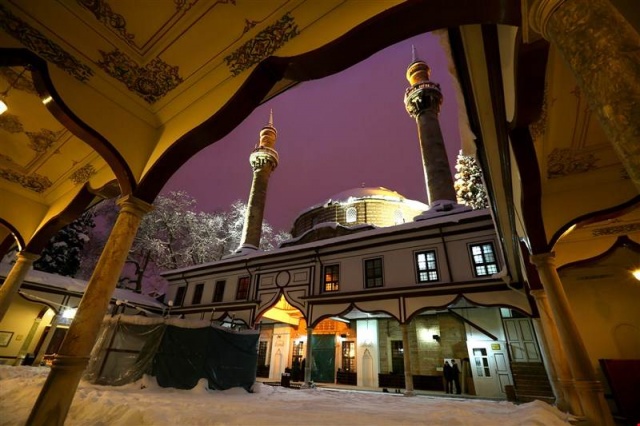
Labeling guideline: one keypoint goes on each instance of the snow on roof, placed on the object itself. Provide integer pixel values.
(453, 218)
(74, 285)
(362, 193)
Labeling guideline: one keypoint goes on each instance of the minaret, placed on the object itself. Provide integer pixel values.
(264, 160)
(423, 100)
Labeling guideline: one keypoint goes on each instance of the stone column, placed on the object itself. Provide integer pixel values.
(24, 349)
(308, 355)
(12, 284)
(589, 390)
(406, 353)
(603, 51)
(55, 398)
(556, 360)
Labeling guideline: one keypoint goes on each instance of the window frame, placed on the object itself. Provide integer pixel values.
(335, 284)
(241, 290)
(427, 269)
(484, 263)
(351, 211)
(198, 291)
(367, 278)
(182, 291)
(218, 295)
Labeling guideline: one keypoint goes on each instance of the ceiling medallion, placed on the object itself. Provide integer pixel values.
(43, 47)
(150, 82)
(262, 45)
(83, 174)
(35, 182)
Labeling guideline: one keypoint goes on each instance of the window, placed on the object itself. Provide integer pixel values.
(262, 353)
(180, 296)
(197, 294)
(397, 357)
(484, 259)
(218, 293)
(349, 356)
(427, 266)
(352, 215)
(373, 273)
(481, 362)
(332, 278)
(243, 289)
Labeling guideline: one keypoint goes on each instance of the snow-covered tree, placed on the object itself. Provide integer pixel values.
(469, 185)
(173, 235)
(62, 253)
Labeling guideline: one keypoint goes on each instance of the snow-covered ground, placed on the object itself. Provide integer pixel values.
(144, 403)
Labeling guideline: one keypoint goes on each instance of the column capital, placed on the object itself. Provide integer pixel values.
(134, 205)
(27, 256)
(543, 259)
(538, 294)
(535, 16)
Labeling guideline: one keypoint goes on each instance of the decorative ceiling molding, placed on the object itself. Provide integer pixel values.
(43, 140)
(34, 182)
(262, 45)
(150, 82)
(112, 20)
(615, 230)
(18, 80)
(83, 174)
(567, 161)
(35, 41)
(537, 128)
(184, 5)
(11, 123)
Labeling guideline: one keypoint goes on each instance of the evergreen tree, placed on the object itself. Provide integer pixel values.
(469, 185)
(62, 254)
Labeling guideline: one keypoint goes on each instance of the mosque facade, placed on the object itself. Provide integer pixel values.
(375, 290)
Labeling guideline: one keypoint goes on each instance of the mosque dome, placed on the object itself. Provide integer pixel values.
(356, 207)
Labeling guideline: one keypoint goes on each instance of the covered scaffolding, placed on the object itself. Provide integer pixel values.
(177, 352)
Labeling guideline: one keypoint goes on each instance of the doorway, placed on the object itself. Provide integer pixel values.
(490, 368)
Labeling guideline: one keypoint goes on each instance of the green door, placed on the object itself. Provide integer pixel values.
(323, 353)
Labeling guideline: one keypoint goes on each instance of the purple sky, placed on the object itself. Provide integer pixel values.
(333, 134)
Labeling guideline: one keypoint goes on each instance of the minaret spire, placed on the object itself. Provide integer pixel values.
(264, 160)
(422, 101)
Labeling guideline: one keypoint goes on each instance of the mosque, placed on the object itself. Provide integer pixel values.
(375, 290)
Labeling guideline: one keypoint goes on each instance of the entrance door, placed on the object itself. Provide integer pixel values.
(522, 340)
(323, 354)
(490, 368)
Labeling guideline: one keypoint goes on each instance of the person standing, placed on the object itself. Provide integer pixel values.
(447, 372)
(455, 376)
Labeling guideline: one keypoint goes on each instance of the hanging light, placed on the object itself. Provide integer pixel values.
(3, 96)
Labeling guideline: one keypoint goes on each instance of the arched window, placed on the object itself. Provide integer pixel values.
(352, 215)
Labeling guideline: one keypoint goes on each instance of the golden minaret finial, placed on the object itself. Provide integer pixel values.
(418, 70)
(268, 133)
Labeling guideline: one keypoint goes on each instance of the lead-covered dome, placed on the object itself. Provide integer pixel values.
(375, 206)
